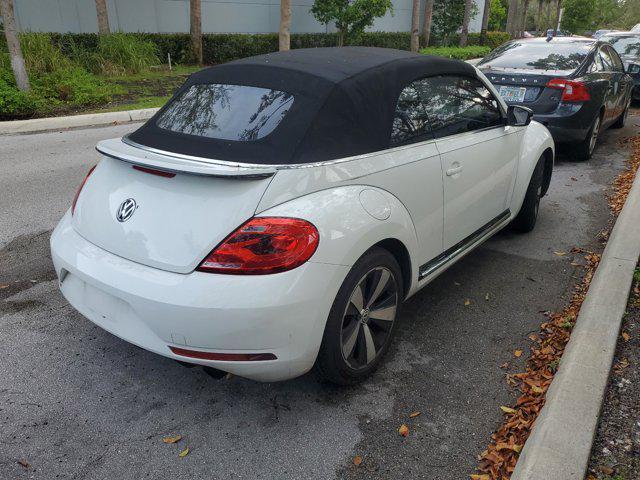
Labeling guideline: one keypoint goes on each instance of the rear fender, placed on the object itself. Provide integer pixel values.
(351, 219)
(536, 142)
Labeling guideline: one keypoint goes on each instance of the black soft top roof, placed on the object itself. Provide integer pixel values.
(344, 101)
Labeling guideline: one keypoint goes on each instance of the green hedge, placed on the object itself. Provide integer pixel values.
(459, 53)
(223, 47)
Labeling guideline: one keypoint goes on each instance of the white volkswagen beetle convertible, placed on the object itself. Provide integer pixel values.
(278, 210)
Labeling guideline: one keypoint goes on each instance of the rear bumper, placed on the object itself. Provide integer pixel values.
(567, 125)
(283, 314)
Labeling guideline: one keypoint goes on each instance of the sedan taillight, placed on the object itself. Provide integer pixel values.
(264, 245)
(572, 91)
(75, 199)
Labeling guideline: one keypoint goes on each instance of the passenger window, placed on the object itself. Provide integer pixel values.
(617, 63)
(443, 105)
(607, 63)
(411, 122)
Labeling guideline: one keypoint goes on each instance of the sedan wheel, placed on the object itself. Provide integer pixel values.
(362, 320)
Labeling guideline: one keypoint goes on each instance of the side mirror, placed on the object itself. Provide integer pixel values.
(518, 116)
(633, 68)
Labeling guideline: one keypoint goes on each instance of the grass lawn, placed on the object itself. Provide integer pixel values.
(144, 90)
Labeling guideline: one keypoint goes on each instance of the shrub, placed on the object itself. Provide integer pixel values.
(459, 53)
(115, 54)
(40, 54)
(73, 85)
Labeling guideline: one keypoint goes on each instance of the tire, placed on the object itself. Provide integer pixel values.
(584, 149)
(526, 219)
(622, 119)
(361, 334)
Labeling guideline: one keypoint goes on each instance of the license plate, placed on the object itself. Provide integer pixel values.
(512, 94)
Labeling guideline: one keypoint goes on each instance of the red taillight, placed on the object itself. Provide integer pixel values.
(264, 245)
(153, 171)
(75, 199)
(572, 91)
(224, 357)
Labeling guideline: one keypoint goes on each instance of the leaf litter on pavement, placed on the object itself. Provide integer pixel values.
(498, 461)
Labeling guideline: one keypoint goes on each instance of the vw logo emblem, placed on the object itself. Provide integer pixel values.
(126, 209)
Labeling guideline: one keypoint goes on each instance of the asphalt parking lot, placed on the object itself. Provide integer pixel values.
(78, 403)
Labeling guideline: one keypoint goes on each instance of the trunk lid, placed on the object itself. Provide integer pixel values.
(178, 217)
(531, 87)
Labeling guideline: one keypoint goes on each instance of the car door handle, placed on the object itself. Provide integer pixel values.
(453, 171)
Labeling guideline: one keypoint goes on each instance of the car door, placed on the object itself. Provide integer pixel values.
(418, 182)
(613, 85)
(622, 79)
(479, 155)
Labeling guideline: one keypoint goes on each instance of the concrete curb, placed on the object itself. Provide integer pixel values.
(559, 446)
(75, 121)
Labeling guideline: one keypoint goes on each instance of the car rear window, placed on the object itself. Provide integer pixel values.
(624, 45)
(226, 112)
(538, 55)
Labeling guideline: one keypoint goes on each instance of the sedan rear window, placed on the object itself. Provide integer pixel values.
(226, 112)
(538, 55)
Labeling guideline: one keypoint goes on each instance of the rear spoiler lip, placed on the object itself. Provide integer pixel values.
(126, 151)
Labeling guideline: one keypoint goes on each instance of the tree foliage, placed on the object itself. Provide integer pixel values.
(447, 18)
(498, 15)
(351, 17)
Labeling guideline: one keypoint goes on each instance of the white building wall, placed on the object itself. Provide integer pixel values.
(218, 16)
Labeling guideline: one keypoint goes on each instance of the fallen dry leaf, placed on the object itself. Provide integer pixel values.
(174, 439)
(403, 430)
(486, 297)
(483, 476)
(536, 389)
(24, 463)
(357, 460)
(184, 453)
(626, 336)
(518, 353)
(3, 286)
(507, 409)
(606, 470)
(467, 302)
(505, 365)
(560, 254)
(414, 414)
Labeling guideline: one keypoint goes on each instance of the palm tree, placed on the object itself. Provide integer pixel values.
(512, 17)
(426, 22)
(195, 27)
(468, 4)
(485, 21)
(284, 35)
(103, 17)
(539, 16)
(13, 44)
(555, 25)
(523, 25)
(415, 25)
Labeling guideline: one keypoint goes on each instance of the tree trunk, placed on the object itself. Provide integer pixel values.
(555, 25)
(426, 22)
(284, 36)
(548, 19)
(523, 25)
(485, 21)
(415, 25)
(512, 16)
(195, 27)
(539, 17)
(13, 44)
(465, 22)
(103, 17)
